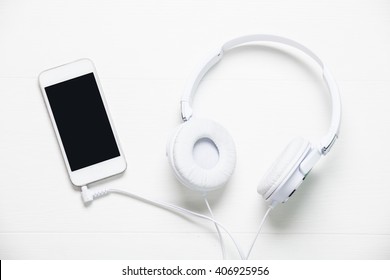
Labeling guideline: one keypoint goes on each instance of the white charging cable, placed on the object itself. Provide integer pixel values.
(89, 195)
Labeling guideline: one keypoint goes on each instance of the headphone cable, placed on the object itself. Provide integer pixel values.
(89, 195)
(259, 229)
(217, 228)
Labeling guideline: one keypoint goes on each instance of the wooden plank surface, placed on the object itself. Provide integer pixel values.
(264, 95)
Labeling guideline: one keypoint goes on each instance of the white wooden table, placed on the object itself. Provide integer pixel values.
(144, 52)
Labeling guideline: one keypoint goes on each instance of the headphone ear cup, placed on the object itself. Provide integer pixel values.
(180, 155)
(283, 167)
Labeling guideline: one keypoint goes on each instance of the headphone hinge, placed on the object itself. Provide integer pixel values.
(186, 111)
(326, 149)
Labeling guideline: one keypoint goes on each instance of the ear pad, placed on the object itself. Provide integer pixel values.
(180, 155)
(283, 166)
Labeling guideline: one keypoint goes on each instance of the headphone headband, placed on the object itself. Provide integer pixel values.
(328, 140)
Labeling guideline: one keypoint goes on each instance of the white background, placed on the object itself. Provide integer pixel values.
(264, 95)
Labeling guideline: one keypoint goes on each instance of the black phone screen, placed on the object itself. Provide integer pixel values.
(82, 121)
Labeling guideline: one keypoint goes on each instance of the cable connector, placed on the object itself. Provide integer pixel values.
(89, 195)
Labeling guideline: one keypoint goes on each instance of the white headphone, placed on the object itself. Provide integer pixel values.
(290, 168)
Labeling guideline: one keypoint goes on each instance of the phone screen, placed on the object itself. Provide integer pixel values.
(82, 121)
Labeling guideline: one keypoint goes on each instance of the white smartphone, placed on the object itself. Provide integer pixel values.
(79, 114)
